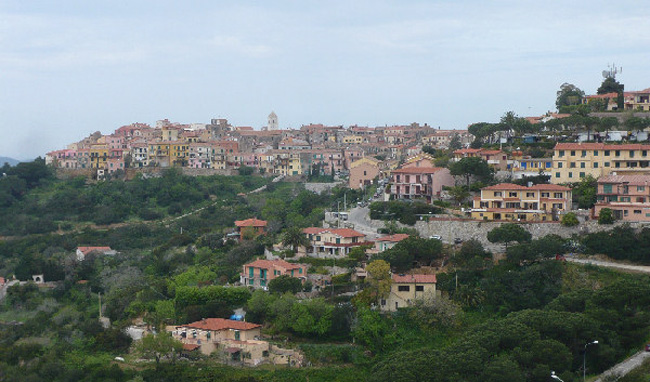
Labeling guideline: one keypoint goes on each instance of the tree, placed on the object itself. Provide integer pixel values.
(610, 85)
(455, 143)
(459, 193)
(570, 219)
(606, 216)
(379, 278)
(584, 192)
(568, 95)
(158, 346)
(294, 237)
(285, 283)
(507, 233)
(429, 150)
(472, 166)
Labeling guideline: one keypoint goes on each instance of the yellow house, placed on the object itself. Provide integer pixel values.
(179, 153)
(353, 139)
(159, 154)
(98, 156)
(574, 161)
(506, 201)
(406, 288)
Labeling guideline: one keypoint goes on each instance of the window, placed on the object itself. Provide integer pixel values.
(557, 206)
(595, 153)
(300, 271)
(640, 188)
(626, 212)
(420, 288)
(631, 153)
(573, 153)
(625, 199)
(383, 301)
(606, 153)
(512, 194)
(546, 194)
(607, 188)
(606, 164)
(637, 212)
(617, 164)
(557, 174)
(317, 238)
(557, 195)
(644, 153)
(559, 165)
(403, 288)
(617, 153)
(584, 153)
(582, 165)
(595, 164)
(582, 174)
(530, 194)
(570, 175)
(572, 165)
(497, 193)
(251, 272)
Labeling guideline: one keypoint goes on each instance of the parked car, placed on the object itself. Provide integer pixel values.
(458, 240)
(437, 237)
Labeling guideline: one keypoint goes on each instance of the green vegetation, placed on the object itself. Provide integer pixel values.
(402, 211)
(570, 220)
(515, 320)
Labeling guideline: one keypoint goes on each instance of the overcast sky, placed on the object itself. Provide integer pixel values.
(69, 68)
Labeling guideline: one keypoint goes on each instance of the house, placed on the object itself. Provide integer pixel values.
(497, 159)
(527, 166)
(628, 196)
(507, 201)
(250, 228)
(419, 182)
(406, 288)
(363, 172)
(574, 161)
(237, 341)
(387, 242)
(259, 273)
(82, 252)
(333, 242)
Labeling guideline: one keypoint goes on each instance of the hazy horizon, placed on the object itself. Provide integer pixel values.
(70, 68)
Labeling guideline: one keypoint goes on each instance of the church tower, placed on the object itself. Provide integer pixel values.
(273, 122)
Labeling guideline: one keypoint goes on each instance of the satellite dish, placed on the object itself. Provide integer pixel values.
(605, 73)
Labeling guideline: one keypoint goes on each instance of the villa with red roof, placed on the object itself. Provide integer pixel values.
(239, 341)
(407, 288)
(333, 242)
(259, 273)
(82, 252)
(507, 201)
(250, 228)
(387, 242)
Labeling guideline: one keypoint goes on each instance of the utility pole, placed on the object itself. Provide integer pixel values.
(100, 305)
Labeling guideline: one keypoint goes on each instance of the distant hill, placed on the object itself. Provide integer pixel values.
(11, 161)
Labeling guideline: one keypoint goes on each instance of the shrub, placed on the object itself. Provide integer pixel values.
(606, 216)
(570, 220)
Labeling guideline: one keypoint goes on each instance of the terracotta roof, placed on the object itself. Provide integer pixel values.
(190, 347)
(505, 186)
(410, 279)
(346, 232)
(86, 250)
(549, 187)
(267, 264)
(314, 230)
(417, 170)
(394, 238)
(254, 222)
(221, 324)
(600, 146)
(629, 179)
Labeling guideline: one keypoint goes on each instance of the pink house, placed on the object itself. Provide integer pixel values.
(628, 196)
(420, 182)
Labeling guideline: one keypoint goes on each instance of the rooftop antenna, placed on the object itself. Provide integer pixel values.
(612, 71)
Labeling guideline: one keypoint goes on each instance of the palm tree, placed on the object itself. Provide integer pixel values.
(294, 237)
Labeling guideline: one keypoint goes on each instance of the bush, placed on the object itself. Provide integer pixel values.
(606, 216)
(570, 220)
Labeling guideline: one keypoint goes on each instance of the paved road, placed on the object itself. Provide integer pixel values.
(360, 217)
(626, 366)
(636, 268)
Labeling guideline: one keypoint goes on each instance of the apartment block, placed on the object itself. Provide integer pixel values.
(507, 201)
(628, 196)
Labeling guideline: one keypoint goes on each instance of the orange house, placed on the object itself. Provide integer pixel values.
(250, 228)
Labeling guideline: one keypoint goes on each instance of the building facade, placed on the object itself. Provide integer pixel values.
(628, 196)
(407, 288)
(512, 202)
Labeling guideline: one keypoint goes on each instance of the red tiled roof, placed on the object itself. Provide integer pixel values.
(549, 187)
(221, 324)
(394, 238)
(346, 232)
(417, 170)
(505, 186)
(268, 264)
(190, 347)
(86, 250)
(641, 180)
(251, 223)
(313, 230)
(410, 279)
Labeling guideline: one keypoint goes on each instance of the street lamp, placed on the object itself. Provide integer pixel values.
(584, 360)
(555, 376)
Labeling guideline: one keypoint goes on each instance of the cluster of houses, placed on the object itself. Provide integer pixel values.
(311, 149)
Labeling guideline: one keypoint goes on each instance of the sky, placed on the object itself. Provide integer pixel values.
(72, 67)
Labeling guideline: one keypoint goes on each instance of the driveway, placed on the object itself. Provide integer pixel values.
(626, 366)
(635, 268)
